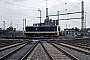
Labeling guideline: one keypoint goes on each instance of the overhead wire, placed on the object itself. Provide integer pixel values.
(25, 6)
(20, 6)
(22, 13)
(73, 8)
(48, 4)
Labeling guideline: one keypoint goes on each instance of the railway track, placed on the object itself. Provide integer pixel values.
(17, 52)
(77, 52)
(55, 53)
(46, 51)
(11, 46)
(42, 50)
(38, 54)
(4, 51)
(81, 43)
(7, 42)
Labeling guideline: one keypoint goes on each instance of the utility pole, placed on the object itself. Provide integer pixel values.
(17, 26)
(23, 26)
(46, 11)
(66, 26)
(82, 21)
(11, 23)
(69, 26)
(25, 22)
(3, 25)
(85, 20)
(40, 14)
(58, 17)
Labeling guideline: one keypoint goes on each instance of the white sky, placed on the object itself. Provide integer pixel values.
(17, 10)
